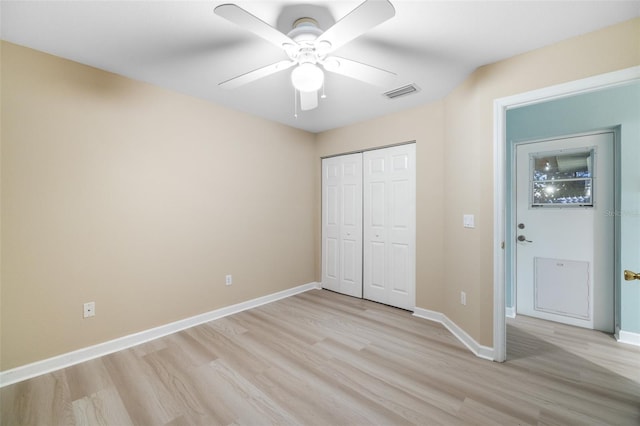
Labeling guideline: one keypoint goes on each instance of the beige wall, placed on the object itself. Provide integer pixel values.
(458, 131)
(126, 194)
(424, 125)
(141, 200)
(469, 155)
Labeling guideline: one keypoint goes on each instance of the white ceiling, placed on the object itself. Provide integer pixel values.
(184, 46)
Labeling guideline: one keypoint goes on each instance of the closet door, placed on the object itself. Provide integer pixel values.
(389, 226)
(342, 224)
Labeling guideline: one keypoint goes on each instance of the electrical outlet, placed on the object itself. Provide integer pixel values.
(89, 309)
(228, 280)
(463, 298)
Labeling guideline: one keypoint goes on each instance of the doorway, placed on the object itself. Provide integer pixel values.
(565, 238)
(604, 101)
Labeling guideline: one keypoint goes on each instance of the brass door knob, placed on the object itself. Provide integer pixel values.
(630, 275)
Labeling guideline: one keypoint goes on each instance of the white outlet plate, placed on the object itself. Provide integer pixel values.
(468, 221)
(228, 280)
(89, 309)
(463, 298)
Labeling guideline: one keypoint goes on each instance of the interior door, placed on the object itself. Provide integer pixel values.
(342, 224)
(565, 238)
(389, 226)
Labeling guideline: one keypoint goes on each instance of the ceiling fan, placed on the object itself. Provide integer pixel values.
(309, 48)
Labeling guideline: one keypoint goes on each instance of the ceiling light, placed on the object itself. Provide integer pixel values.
(307, 77)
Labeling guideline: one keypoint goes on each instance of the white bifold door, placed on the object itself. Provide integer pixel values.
(368, 225)
(389, 226)
(342, 224)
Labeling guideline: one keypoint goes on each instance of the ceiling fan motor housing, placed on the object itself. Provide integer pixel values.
(305, 32)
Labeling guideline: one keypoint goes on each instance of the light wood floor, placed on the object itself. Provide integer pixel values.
(320, 358)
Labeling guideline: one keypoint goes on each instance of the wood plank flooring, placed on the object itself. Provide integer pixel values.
(320, 358)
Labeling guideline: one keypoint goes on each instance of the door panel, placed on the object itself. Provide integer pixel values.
(376, 194)
(342, 224)
(331, 256)
(389, 226)
(399, 211)
(400, 260)
(564, 260)
(377, 265)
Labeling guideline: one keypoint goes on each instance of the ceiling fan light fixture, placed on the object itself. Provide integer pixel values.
(307, 77)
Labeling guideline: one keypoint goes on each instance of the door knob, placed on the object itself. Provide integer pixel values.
(630, 275)
(523, 238)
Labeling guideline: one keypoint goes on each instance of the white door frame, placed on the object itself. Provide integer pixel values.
(500, 107)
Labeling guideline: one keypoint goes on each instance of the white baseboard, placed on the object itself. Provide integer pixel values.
(478, 350)
(510, 312)
(48, 365)
(627, 337)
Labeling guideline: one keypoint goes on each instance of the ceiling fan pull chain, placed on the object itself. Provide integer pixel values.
(295, 103)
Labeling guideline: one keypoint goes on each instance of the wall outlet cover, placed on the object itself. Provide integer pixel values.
(89, 309)
(468, 221)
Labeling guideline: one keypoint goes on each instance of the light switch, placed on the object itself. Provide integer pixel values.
(468, 221)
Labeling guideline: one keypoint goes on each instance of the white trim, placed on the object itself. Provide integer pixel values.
(478, 350)
(499, 241)
(628, 337)
(48, 365)
(510, 312)
(500, 107)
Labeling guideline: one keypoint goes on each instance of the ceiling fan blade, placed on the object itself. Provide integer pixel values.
(308, 100)
(364, 17)
(256, 74)
(246, 20)
(359, 71)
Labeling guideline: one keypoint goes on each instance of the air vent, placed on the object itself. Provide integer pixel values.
(401, 91)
